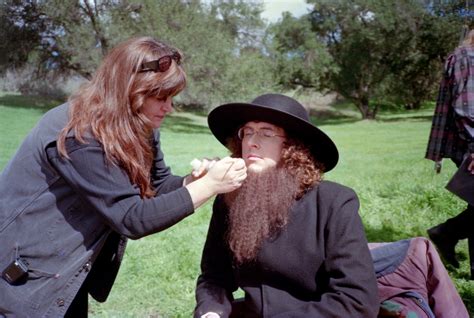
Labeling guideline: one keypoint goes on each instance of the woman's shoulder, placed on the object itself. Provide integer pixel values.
(57, 114)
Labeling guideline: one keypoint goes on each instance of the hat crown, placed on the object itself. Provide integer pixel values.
(282, 103)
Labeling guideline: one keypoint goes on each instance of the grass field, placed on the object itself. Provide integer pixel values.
(400, 194)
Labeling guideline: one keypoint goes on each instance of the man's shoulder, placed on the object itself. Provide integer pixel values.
(331, 186)
(329, 196)
(331, 189)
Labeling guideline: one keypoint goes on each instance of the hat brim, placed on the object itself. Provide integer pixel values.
(225, 120)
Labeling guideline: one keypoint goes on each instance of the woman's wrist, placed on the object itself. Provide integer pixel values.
(187, 180)
(201, 190)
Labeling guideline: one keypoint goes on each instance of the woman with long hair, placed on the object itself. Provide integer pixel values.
(90, 175)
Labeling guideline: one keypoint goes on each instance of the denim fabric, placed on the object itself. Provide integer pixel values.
(388, 257)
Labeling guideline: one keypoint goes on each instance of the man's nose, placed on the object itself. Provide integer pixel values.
(252, 141)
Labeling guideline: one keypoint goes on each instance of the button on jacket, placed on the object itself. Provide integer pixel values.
(69, 219)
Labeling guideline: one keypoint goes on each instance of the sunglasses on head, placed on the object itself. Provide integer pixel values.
(162, 64)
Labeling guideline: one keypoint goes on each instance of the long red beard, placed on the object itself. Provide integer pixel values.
(258, 210)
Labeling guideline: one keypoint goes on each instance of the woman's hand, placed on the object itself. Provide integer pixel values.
(225, 175)
(200, 168)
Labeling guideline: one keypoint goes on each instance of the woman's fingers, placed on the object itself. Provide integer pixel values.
(200, 167)
(229, 173)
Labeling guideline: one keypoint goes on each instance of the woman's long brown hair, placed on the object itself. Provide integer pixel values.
(109, 107)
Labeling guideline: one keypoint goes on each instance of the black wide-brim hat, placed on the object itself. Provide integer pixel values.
(280, 110)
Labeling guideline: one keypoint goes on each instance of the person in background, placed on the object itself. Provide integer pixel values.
(452, 136)
(295, 244)
(91, 174)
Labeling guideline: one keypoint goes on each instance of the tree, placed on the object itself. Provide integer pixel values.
(216, 39)
(379, 49)
(412, 39)
(241, 19)
(301, 59)
(415, 74)
(362, 37)
(21, 26)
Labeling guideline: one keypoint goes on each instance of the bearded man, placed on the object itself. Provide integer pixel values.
(292, 242)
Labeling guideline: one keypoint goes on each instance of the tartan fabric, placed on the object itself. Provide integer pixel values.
(454, 112)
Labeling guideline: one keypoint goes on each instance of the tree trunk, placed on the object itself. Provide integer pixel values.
(413, 105)
(362, 104)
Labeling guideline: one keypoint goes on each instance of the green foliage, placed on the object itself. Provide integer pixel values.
(250, 76)
(400, 195)
(219, 40)
(18, 40)
(241, 19)
(360, 36)
(367, 50)
(206, 54)
(301, 58)
(414, 75)
(223, 64)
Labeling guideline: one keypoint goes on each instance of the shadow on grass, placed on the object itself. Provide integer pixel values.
(330, 117)
(180, 124)
(405, 117)
(22, 101)
(345, 112)
(175, 123)
(337, 117)
(385, 234)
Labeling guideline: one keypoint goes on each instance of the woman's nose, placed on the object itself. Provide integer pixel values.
(168, 107)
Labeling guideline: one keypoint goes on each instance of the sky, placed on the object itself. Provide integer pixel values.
(274, 8)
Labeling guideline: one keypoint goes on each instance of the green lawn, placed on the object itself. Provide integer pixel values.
(382, 160)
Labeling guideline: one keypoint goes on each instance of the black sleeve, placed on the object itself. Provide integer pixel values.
(216, 282)
(108, 190)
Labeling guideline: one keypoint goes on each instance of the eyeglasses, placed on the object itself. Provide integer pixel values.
(162, 64)
(263, 133)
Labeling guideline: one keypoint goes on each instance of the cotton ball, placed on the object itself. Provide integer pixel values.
(195, 163)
